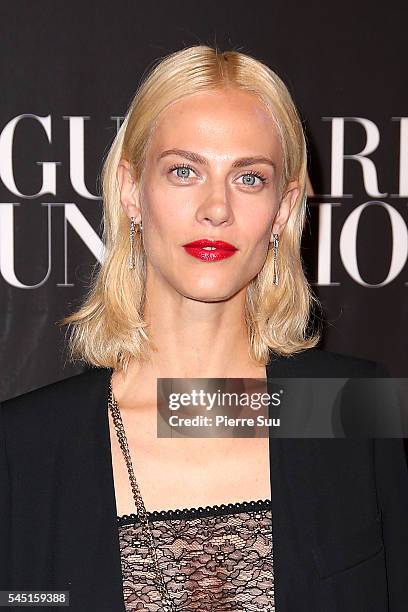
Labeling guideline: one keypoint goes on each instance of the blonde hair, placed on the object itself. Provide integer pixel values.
(108, 329)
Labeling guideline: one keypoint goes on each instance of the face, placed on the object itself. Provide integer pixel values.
(212, 172)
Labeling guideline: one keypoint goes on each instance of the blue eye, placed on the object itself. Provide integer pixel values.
(182, 171)
(249, 178)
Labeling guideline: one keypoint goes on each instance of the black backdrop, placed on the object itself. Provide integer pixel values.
(68, 72)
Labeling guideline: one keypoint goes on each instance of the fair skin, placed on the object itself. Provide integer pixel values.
(195, 309)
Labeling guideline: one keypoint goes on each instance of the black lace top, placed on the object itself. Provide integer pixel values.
(213, 559)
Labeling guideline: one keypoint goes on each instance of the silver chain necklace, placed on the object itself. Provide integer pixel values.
(168, 604)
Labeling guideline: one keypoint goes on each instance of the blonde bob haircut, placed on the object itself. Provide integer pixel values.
(109, 329)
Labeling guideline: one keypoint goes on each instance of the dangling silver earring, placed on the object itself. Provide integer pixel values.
(132, 263)
(275, 246)
(132, 244)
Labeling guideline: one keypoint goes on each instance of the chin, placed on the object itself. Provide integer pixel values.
(213, 295)
(209, 300)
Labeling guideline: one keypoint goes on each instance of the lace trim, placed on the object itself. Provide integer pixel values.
(191, 513)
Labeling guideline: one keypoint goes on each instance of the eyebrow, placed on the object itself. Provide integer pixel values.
(199, 159)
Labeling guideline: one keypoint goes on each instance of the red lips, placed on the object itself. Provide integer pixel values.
(220, 249)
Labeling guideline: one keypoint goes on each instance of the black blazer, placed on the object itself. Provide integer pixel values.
(339, 506)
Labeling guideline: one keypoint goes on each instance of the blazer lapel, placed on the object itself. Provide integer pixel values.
(105, 568)
(291, 461)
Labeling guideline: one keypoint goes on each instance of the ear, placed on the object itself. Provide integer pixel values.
(287, 203)
(129, 190)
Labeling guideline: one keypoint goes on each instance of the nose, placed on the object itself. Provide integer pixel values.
(215, 208)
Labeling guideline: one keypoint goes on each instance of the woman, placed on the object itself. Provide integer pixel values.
(94, 502)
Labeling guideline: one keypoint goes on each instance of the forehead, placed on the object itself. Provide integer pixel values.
(229, 122)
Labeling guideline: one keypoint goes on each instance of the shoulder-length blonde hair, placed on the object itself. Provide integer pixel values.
(108, 329)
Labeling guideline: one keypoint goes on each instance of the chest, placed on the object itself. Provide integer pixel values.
(186, 473)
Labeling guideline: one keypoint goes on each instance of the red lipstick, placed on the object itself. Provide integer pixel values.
(210, 250)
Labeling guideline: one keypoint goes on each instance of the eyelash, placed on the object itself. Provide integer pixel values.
(250, 173)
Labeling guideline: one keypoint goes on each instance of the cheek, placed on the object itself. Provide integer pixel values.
(256, 233)
(163, 235)
(256, 228)
(164, 207)
(158, 216)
